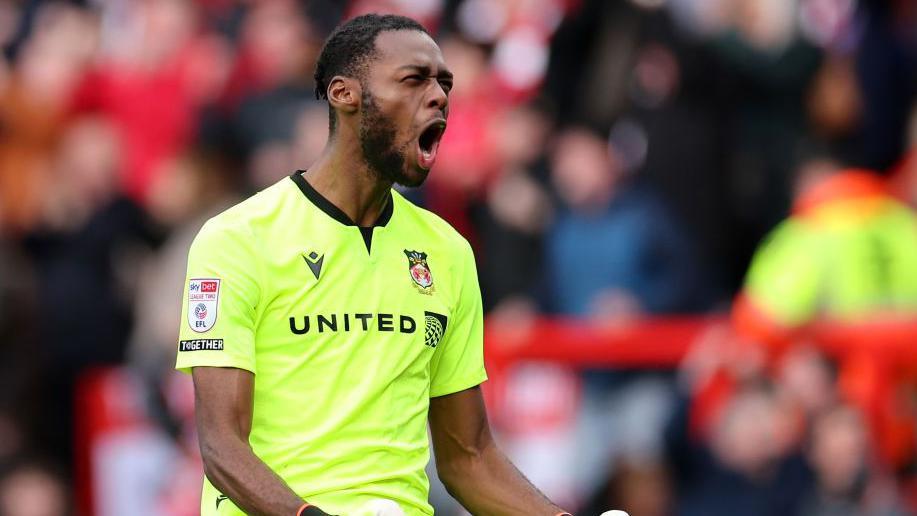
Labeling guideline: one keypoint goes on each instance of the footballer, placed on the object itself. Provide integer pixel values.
(327, 320)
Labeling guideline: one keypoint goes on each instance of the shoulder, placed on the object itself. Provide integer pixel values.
(236, 236)
(792, 231)
(790, 241)
(434, 228)
(247, 217)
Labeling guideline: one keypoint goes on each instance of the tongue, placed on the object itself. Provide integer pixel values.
(428, 157)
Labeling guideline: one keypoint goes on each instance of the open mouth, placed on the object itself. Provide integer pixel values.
(428, 143)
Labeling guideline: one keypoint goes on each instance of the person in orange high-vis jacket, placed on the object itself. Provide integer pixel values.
(848, 256)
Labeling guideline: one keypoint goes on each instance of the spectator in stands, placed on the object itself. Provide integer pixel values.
(154, 74)
(614, 254)
(515, 214)
(30, 487)
(847, 482)
(768, 64)
(747, 464)
(806, 380)
(642, 487)
(272, 80)
(614, 251)
(85, 255)
(848, 253)
(274, 50)
(33, 104)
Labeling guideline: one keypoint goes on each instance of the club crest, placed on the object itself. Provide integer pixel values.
(420, 271)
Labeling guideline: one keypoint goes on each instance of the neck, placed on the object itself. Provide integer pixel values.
(347, 182)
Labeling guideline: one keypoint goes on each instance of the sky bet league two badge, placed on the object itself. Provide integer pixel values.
(420, 271)
(203, 299)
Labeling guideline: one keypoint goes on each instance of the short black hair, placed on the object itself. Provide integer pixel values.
(351, 45)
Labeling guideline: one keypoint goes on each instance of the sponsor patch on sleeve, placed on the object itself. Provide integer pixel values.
(203, 299)
(201, 345)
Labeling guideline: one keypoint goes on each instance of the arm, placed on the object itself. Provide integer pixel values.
(223, 404)
(471, 466)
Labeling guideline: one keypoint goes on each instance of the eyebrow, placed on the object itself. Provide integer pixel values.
(426, 70)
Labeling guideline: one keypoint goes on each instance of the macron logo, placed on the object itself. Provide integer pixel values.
(314, 261)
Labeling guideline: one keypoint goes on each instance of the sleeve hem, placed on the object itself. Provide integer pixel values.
(185, 366)
(459, 385)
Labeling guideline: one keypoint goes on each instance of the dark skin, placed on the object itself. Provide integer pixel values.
(472, 467)
(409, 85)
(223, 413)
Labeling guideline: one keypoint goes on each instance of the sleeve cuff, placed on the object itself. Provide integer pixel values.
(186, 363)
(458, 385)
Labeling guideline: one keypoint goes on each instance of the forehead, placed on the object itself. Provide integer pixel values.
(407, 47)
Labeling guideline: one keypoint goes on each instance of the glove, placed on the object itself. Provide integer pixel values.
(614, 513)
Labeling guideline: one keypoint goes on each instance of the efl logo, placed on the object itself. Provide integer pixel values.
(203, 301)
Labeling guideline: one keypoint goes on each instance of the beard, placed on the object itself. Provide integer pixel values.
(386, 160)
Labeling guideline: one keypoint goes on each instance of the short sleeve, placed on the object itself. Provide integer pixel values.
(458, 363)
(784, 277)
(220, 300)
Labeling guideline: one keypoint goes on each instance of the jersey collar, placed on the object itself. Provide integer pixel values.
(333, 211)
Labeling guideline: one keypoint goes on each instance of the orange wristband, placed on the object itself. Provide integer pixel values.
(308, 509)
(563, 514)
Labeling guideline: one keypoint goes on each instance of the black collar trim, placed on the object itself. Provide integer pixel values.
(333, 211)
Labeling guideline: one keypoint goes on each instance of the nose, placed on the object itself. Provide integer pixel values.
(438, 98)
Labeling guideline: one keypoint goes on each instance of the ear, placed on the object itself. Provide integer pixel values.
(344, 94)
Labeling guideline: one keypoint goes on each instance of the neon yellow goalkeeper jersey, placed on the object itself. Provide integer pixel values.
(349, 331)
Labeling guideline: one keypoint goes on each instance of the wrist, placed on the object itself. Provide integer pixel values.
(310, 510)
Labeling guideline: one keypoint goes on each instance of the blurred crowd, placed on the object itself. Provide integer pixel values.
(609, 160)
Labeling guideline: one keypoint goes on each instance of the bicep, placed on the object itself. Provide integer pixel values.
(458, 425)
(223, 401)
